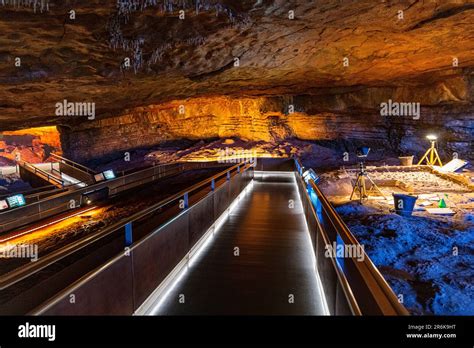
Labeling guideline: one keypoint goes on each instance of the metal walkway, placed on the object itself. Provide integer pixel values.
(274, 273)
(283, 227)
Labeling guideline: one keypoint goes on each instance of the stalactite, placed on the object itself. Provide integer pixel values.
(159, 52)
(41, 5)
(125, 8)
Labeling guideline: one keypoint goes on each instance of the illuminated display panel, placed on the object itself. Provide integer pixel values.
(16, 201)
(109, 174)
(99, 177)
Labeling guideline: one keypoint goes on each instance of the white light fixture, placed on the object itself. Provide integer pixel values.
(310, 174)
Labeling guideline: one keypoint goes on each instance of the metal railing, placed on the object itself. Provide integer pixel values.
(42, 174)
(59, 202)
(11, 278)
(73, 164)
(31, 193)
(167, 238)
(352, 282)
(351, 285)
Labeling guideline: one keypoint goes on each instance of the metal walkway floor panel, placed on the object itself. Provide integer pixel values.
(273, 273)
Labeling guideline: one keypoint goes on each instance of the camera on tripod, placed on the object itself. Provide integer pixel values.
(360, 188)
(362, 152)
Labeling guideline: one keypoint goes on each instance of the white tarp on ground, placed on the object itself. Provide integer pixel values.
(440, 211)
(8, 170)
(452, 166)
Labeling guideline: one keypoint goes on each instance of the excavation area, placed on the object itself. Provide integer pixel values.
(427, 257)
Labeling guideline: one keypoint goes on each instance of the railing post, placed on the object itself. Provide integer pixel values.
(186, 200)
(128, 234)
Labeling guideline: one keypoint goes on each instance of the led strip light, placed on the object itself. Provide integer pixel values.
(154, 302)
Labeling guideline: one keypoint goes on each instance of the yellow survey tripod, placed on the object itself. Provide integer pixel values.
(431, 155)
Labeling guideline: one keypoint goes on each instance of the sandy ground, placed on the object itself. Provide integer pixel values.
(319, 155)
(427, 259)
(225, 149)
(221, 150)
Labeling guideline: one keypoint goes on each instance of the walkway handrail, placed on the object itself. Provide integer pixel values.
(30, 192)
(73, 164)
(380, 290)
(91, 186)
(32, 268)
(49, 177)
(41, 173)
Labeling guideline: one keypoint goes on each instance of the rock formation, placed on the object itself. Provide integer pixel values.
(237, 67)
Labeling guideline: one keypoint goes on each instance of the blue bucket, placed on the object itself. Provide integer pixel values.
(404, 204)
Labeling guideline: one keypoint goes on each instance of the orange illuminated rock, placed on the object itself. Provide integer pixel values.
(32, 145)
(328, 47)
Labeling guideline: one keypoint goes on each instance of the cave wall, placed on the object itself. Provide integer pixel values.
(253, 119)
(349, 116)
(446, 109)
(40, 135)
(33, 145)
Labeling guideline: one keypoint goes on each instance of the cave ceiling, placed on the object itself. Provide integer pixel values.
(126, 54)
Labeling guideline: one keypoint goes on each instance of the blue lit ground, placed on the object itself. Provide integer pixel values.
(426, 258)
(12, 183)
(417, 257)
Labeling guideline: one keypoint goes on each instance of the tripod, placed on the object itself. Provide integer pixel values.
(360, 187)
(431, 156)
